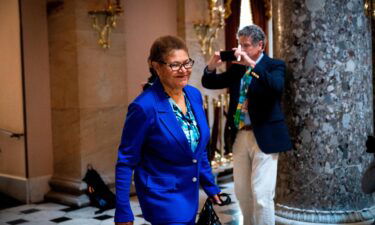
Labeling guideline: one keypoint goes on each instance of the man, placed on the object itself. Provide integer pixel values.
(256, 84)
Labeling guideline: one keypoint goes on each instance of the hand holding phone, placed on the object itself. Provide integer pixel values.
(239, 49)
(227, 56)
(230, 56)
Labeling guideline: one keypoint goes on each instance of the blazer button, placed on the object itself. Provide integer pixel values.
(194, 179)
(195, 161)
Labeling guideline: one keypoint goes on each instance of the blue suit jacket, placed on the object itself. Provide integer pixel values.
(264, 95)
(167, 174)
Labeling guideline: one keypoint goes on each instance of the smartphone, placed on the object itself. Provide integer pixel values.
(227, 56)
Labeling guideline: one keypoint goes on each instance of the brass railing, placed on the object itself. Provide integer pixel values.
(219, 150)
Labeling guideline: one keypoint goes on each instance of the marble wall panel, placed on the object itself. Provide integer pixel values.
(66, 143)
(102, 81)
(101, 130)
(12, 156)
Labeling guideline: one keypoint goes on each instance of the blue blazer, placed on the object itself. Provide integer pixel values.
(167, 174)
(264, 94)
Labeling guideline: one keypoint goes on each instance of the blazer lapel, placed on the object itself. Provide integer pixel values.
(168, 118)
(264, 60)
(200, 118)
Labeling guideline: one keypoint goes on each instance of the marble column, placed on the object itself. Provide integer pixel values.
(88, 98)
(328, 104)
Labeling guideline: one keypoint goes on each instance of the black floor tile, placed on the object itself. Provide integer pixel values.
(19, 221)
(28, 211)
(103, 217)
(60, 219)
(140, 215)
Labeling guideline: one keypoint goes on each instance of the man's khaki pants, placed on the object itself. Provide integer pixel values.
(254, 180)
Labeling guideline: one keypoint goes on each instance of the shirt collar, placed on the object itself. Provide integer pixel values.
(259, 58)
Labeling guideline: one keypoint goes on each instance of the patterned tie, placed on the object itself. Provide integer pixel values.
(241, 110)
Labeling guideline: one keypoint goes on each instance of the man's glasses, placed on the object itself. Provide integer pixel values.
(177, 66)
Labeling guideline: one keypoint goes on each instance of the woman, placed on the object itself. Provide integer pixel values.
(164, 141)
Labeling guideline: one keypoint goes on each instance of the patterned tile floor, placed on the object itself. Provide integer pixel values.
(52, 213)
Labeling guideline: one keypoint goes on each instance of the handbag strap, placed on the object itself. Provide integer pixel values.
(225, 201)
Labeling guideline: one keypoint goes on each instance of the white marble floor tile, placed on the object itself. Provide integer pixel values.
(43, 215)
(9, 216)
(139, 221)
(224, 218)
(50, 206)
(38, 223)
(87, 212)
(110, 212)
(107, 222)
(19, 208)
(81, 222)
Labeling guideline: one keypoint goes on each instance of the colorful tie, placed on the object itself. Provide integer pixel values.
(241, 110)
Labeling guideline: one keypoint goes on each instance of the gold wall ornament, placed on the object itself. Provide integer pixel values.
(104, 21)
(268, 8)
(207, 30)
(369, 7)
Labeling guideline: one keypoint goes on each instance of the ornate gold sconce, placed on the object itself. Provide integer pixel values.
(105, 20)
(207, 30)
(369, 6)
(268, 8)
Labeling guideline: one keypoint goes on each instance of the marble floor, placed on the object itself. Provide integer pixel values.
(48, 213)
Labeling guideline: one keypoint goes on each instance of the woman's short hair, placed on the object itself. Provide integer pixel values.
(254, 32)
(159, 49)
(164, 45)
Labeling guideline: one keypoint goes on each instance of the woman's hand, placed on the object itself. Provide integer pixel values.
(125, 223)
(216, 199)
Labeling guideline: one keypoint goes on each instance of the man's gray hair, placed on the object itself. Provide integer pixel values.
(254, 32)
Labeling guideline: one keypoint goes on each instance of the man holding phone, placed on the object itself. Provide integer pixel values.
(256, 84)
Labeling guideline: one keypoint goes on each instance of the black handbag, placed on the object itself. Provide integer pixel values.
(99, 193)
(208, 216)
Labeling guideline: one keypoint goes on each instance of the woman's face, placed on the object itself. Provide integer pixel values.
(170, 77)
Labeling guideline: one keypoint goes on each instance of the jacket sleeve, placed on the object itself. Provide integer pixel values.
(129, 153)
(272, 77)
(212, 80)
(207, 179)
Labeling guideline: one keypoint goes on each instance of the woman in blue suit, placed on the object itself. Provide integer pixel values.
(164, 142)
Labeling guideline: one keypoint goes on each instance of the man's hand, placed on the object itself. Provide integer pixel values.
(125, 223)
(245, 59)
(214, 61)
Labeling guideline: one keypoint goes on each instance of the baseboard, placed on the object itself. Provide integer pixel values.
(38, 188)
(30, 190)
(14, 186)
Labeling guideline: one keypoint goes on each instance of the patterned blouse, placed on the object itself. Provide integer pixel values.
(187, 122)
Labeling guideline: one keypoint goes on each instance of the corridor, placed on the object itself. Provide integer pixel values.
(48, 213)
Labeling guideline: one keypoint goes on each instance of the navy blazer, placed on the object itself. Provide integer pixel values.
(264, 105)
(167, 174)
